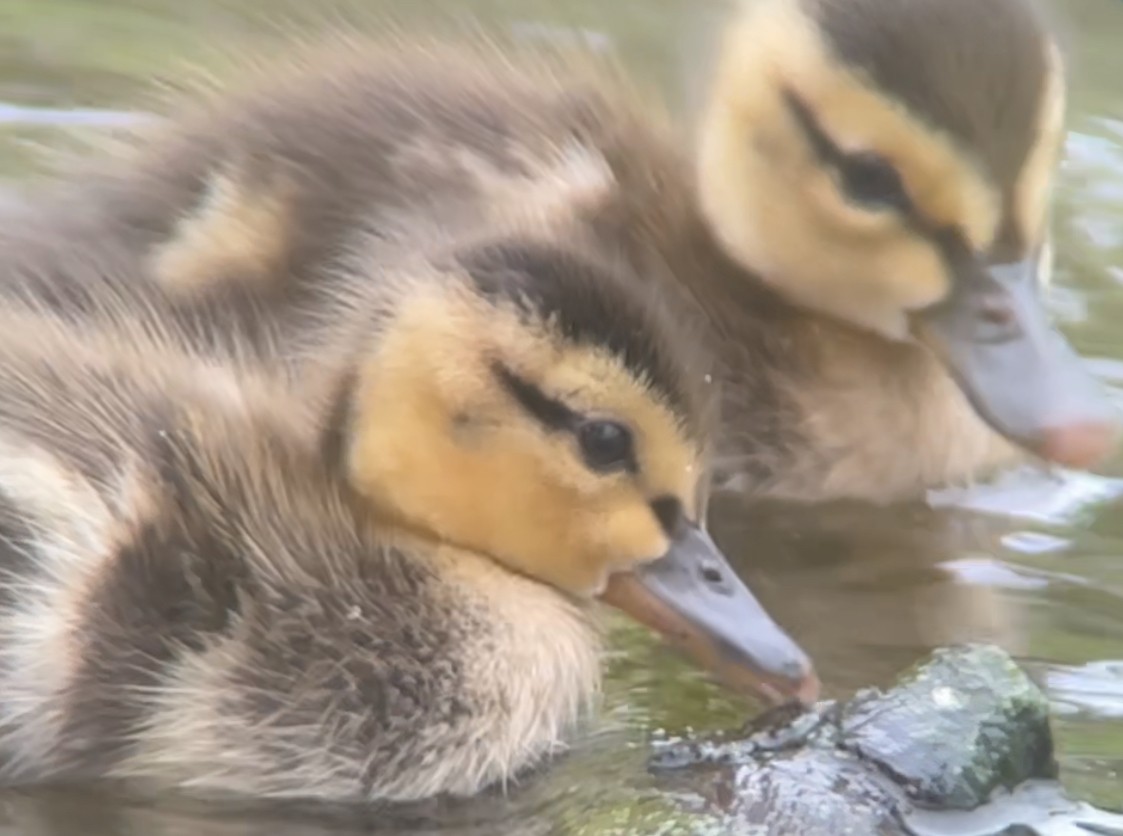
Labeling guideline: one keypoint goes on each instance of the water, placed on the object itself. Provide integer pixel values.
(1034, 562)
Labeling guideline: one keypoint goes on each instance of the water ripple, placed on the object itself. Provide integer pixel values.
(1051, 497)
(13, 114)
(1094, 687)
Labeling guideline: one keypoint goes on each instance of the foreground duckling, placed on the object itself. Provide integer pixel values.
(213, 585)
(863, 238)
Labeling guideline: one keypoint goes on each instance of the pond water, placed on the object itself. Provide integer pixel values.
(1034, 562)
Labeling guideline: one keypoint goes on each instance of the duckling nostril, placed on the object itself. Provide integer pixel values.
(996, 314)
(712, 575)
(995, 322)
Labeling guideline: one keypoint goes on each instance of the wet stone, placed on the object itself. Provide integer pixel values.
(814, 793)
(956, 729)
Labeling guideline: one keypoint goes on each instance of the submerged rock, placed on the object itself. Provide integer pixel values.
(967, 730)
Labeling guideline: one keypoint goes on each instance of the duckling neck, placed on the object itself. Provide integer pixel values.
(529, 668)
(868, 418)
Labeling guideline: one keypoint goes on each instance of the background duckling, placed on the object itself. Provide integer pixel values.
(862, 234)
(217, 585)
(889, 165)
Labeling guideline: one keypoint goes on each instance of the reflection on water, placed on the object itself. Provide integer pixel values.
(1034, 562)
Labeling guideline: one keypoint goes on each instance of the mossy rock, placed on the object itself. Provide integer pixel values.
(959, 727)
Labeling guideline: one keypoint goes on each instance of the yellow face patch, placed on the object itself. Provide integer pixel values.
(1032, 191)
(441, 445)
(237, 230)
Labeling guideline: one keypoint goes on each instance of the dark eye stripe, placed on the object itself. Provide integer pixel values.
(552, 413)
(871, 180)
(949, 241)
(824, 147)
(861, 170)
(601, 454)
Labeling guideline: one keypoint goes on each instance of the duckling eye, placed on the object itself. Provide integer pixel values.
(606, 446)
(872, 180)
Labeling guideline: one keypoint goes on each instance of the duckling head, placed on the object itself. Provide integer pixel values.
(536, 408)
(889, 163)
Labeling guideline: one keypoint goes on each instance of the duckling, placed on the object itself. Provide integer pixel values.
(884, 169)
(862, 230)
(218, 585)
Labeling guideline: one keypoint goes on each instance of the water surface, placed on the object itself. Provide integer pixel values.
(1034, 562)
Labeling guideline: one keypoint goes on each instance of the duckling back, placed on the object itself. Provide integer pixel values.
(258, 189)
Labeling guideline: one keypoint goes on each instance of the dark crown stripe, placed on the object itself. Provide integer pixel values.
(588, 304)
(975, 70)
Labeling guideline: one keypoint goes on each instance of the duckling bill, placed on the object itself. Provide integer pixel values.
(1020, 374)
(697, 602)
